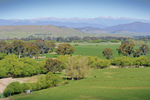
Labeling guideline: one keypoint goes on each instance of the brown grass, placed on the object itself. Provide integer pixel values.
(5, 81)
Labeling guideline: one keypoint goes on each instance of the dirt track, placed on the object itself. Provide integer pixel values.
(5, 81)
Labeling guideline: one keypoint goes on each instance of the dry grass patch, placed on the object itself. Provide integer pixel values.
(6, 81)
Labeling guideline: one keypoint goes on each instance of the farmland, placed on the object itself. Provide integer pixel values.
(95, 49)
(109, 84)
(101, 82)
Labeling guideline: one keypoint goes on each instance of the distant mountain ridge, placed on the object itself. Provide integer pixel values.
(99, 22)
(133, 27)
(75, 26)
(20, 31)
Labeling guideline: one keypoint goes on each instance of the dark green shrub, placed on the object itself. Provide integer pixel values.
(100, 63)
(76, 45)
(13, 88)
(3, 72)
(20, 67)
(142, 61)
(53, 65)
(52, 79)
(26, 86)
(123, 61)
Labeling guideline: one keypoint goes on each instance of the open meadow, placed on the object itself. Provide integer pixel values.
(95, 49)
(108, 84)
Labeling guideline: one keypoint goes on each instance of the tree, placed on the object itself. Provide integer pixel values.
(44, 46)
(144, 49)
(50, 46)
(126, 49)
(8, 49)
(3, 45)
(3, 72)
(65, 48)
(82, 68)
(70, 67)
(13, 88)
(2, 55)
(18, 47)
(31, 50)
(53, 65)
(108, 53)
(137, 53)
(77, 67)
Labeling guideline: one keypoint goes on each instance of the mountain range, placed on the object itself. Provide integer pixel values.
(76, 26)
(99, 22)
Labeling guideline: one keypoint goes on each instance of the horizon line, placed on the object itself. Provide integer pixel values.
(44, 17)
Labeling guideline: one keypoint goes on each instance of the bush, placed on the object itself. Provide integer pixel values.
(142, 61)
(53, 65)
(2, 55)
(20, 67)
(26, 86)
(65, 48)
(100, 64)
(52, 79)
(46, 81)
(3, 72)
(63, 59)
(76, 44)
(92, 60)
(123, 61)
(13, 88)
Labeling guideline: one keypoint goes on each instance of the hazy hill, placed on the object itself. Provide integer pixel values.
(27, 30)
(92, 30)
(99, 22)
(132, 27)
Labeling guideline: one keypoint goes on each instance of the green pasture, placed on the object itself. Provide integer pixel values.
(108, 84)
(95, 49)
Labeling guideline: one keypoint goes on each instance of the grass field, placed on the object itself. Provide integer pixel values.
(95, 49)
(109, 84)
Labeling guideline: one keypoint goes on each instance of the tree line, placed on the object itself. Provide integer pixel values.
(127, 49)
(30, 49)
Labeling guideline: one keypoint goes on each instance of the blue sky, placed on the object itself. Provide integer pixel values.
(27, 9)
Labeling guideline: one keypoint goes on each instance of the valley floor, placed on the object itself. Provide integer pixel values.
(101, 84)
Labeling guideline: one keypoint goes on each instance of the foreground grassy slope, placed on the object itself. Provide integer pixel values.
(27, 30)
(109, 84)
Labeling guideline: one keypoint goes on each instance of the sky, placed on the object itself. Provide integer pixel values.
(29, 9)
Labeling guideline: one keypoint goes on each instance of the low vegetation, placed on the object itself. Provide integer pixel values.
(49, 80)
(13, 66)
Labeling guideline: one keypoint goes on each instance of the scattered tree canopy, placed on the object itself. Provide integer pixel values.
(108, 53)
(126, 49)
(144, 49)
(65, 48)
(53, 65)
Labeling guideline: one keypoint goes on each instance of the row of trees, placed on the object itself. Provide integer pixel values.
(95, 62)
(30, 49)
(12, 66)
(127, 49)
(77, 39)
